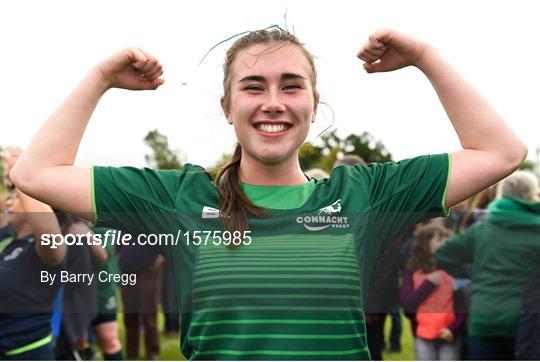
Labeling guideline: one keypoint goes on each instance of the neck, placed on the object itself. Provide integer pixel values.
(285, 173)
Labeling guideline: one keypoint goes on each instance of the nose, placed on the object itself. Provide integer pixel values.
(273, 104)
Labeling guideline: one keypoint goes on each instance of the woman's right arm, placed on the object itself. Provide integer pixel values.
(45, 170)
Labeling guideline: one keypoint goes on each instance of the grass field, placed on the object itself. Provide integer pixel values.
(170, 347)
(407, 342)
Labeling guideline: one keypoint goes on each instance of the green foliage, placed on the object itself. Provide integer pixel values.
(325, 155)
(330, 148)
(225, 157)
(309, 155)
(162, 157)
(367, 147)
(527, 165)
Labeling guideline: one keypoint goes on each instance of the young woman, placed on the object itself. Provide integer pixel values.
(293, 288)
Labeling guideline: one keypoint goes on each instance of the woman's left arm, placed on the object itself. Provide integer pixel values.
(491, 149)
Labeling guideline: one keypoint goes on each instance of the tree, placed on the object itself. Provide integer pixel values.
(330, 147)
(528, 165)
(367, 147)
(309, 156)
(162, 157)
(225, 157)
(324, 156)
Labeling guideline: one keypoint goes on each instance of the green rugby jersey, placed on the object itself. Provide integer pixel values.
(295, 292)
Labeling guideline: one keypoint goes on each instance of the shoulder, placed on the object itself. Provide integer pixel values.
(133, 174)
(145, 182)
(382, 180)
(415, 166)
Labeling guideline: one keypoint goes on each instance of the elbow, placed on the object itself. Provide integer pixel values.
(524, 152)
(25, 180)
(14, 176)
(519, 156)
(17, 177)
(511, 158)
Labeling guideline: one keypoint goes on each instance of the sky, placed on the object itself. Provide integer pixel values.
(48, 46)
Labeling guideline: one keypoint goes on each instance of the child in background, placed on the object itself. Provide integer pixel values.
(430, 293)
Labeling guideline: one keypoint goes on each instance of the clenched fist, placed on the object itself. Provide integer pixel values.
(131, 68)
(388, 50)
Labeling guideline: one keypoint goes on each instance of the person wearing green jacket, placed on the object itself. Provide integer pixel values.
(503, 252)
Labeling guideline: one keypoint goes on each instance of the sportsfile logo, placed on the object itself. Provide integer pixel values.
(325, 218)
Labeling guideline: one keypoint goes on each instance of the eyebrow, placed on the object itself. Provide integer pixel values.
(260, 78)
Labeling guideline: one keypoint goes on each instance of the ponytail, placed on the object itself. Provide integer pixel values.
(234, 205)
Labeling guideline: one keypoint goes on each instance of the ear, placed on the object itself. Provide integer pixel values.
(225, 109)
(315, 106)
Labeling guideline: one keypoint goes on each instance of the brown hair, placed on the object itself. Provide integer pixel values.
(486, 197)
(422, 257)
(481, 201)
(233, 203)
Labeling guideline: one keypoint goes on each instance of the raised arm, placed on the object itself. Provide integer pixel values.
(491, 150)
(45, 170)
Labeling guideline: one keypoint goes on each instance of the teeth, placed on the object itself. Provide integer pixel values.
(271, 128)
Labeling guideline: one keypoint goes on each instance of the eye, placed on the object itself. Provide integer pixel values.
(291, 87)
(254, 88)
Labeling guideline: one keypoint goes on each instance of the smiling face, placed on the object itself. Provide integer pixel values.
(271, 101)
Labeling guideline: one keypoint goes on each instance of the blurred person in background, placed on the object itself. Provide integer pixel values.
(141, 300)
(79, 306)
(104, 324)
(430, 294)
(169, 302)
(528, 335)
(317, 173)
(479, 207)
(504, 252)
(350, 160)
(26, 302)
